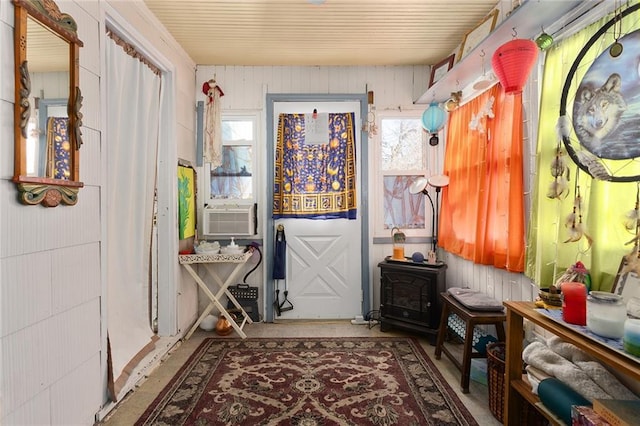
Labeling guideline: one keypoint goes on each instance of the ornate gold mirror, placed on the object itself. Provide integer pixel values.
(47, 117)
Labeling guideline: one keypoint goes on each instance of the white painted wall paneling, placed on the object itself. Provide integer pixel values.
(27, 229)
(50, 321)
(6, 132)
(393, 86)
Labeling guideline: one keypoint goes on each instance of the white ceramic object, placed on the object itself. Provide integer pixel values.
(229, 250)
(206, 247)
(232, 248)
(209, 322)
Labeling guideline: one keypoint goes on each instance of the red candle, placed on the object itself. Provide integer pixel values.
(574, 303)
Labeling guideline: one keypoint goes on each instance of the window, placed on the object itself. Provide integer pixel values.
(234, 180)
(402, 157)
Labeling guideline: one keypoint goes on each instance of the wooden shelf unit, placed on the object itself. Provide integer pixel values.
(517, 388)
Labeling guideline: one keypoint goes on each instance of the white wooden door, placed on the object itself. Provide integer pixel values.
(323, 274)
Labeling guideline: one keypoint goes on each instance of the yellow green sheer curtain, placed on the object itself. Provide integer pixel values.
(482, 216)
(604, 203)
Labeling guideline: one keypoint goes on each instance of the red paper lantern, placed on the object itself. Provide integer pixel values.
(512, 63)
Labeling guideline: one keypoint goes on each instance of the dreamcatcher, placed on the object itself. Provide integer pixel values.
(599, 121)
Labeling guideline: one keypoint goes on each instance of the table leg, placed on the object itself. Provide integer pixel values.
(513, 367)
(442, 330)
(215, 299)
(193, 328)
(224, 289)
(466, 356)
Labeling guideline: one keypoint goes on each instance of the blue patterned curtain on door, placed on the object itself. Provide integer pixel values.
(315, 180)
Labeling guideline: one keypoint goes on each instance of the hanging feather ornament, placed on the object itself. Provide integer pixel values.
(558, 188)
(632, 223)
(560, 172)
(563, 127)
(632, 217)
(594, 166)
(573, 222)
(558, 164)
(572, 218)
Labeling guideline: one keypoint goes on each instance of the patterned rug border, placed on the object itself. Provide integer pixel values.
(453, 401)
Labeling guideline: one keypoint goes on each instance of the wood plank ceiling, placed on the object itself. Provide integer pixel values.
(316, 32)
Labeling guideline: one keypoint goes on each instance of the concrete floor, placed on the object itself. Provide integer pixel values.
(133, 405)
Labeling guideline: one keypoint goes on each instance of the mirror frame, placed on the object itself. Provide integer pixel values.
(33, 190)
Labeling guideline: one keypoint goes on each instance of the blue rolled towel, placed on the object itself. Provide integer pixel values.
(558, 398)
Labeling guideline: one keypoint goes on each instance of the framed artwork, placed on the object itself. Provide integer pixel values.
(186, 202)
(440, 69)
(476, 35)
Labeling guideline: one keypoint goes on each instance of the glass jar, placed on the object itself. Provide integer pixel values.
(631, 339)
(606, 314)
(633, 307)
(398, 243)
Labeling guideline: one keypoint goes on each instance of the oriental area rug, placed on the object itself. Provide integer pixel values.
(308, 381)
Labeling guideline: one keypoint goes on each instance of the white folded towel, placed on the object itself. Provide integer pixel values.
(588, 378)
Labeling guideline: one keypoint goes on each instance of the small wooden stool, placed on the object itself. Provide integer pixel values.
(471, 318)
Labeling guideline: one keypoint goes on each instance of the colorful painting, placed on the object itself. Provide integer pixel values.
(186, 202)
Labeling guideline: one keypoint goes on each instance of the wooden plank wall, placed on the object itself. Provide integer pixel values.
(52, 288)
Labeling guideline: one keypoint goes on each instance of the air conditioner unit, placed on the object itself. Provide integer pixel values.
(230, 220)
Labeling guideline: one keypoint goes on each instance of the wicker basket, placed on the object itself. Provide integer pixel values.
(495, 382)
(553, 299)
(495, 378)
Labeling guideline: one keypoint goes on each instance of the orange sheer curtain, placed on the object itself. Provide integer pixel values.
(482, 216)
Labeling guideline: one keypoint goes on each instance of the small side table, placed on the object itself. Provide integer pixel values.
(208, 260)
(471, 318)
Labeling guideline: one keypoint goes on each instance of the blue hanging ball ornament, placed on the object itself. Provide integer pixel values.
(417, 257)
(433, 118)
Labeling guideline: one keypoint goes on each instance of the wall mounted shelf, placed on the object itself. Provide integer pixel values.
(527, 21)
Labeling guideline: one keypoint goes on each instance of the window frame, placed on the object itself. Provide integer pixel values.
(429, 156)
(253, 117)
